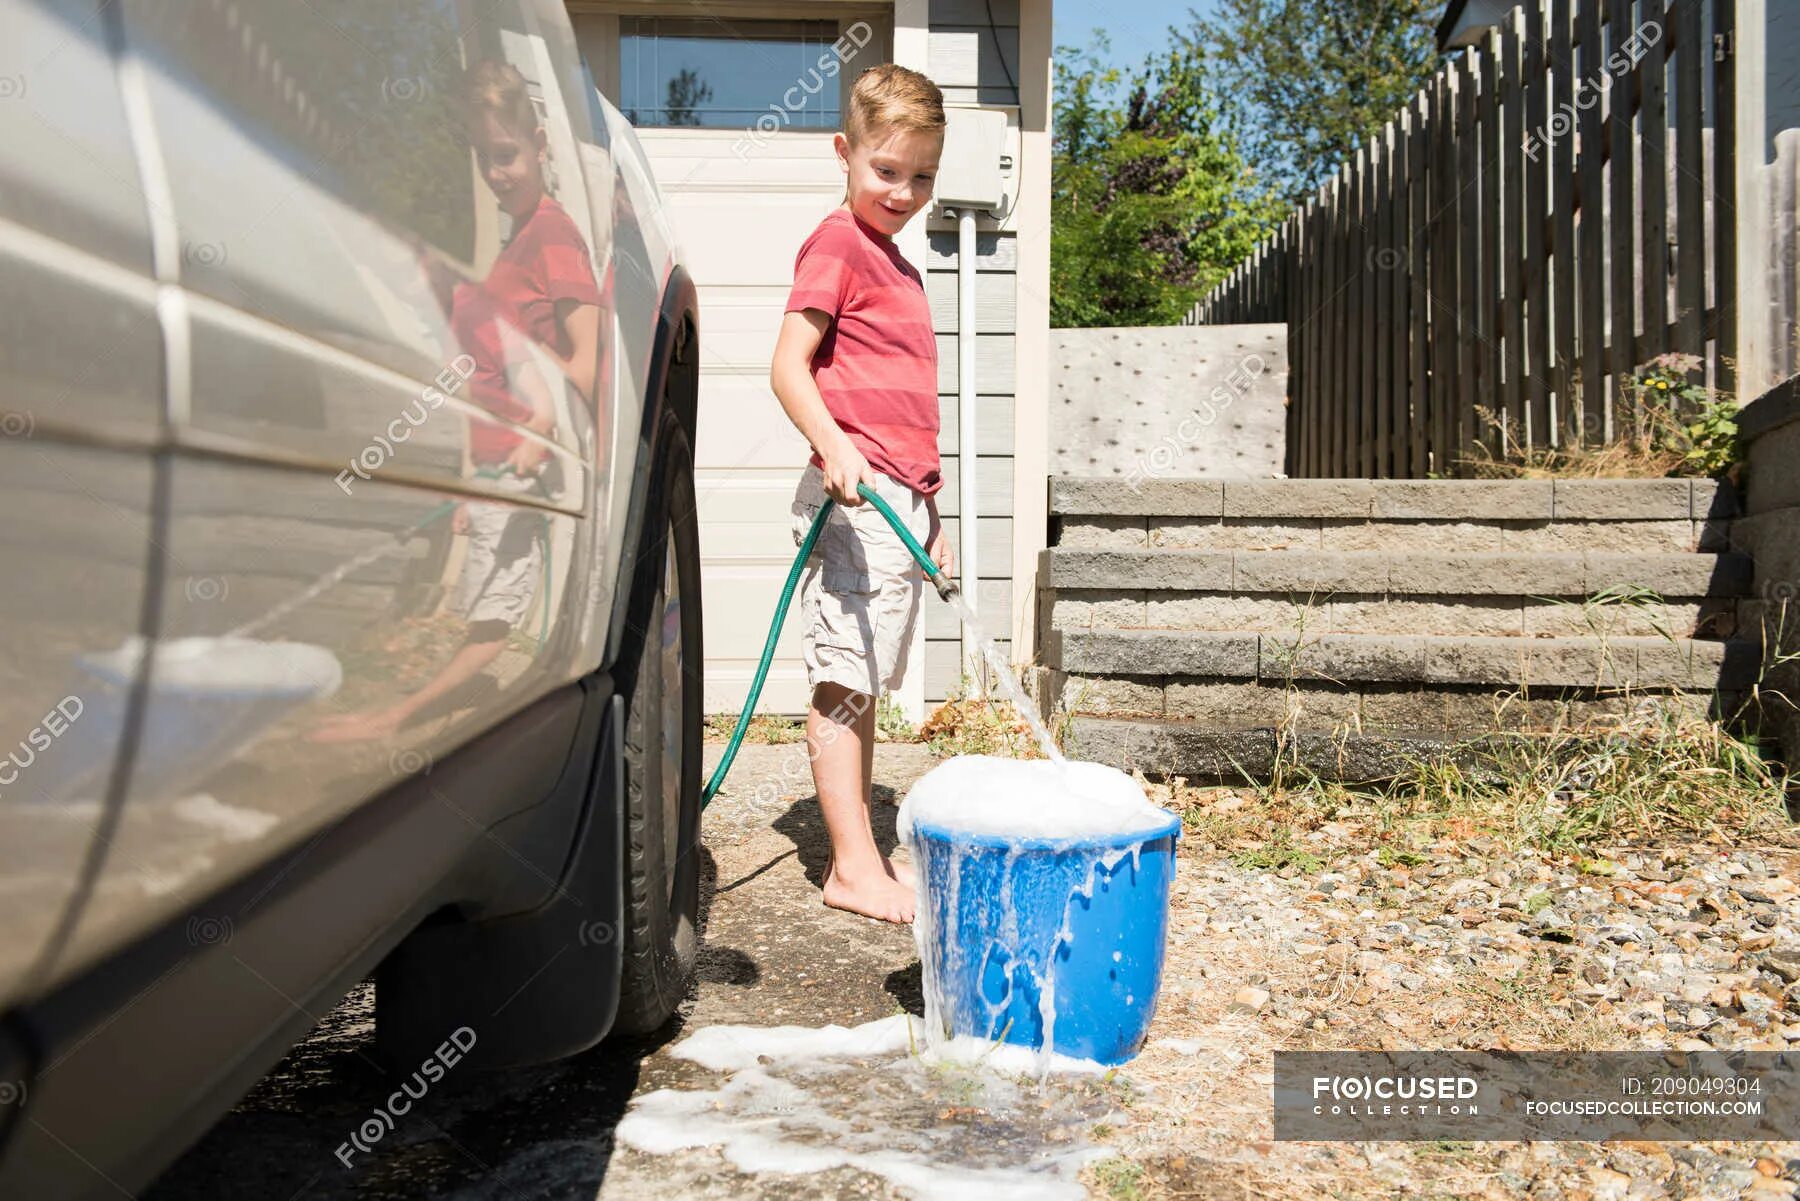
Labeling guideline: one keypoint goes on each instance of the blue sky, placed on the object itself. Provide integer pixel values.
(1136, 27)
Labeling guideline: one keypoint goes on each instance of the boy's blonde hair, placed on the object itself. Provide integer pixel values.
(892, 98)
(490, 86)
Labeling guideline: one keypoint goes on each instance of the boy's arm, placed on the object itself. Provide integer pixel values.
(937, 541)
(790, 375)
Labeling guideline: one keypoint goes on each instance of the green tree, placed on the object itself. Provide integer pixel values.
(1151, 203)
(1306, 81)
(687, 92)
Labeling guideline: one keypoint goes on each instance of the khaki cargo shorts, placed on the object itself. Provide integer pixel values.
(859, 593)
(504, 562)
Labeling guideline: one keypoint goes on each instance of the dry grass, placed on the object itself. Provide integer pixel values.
(979, 726)
(1654, 776)
(766, 729)
(1641, 453)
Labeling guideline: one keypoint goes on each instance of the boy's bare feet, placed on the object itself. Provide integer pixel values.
(367, 726)
(882, 897)
(901, 872)
(895, 869)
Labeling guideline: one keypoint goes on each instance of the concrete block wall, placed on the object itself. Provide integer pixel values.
(1398, 607)
(1769, 532)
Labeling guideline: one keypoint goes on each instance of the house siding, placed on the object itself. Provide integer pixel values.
(974, 62)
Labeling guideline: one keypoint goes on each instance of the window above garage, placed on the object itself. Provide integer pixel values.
(716, 73)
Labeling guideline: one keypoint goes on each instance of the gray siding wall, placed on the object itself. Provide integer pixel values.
(995, 291)
(975, 63)
(972, 61)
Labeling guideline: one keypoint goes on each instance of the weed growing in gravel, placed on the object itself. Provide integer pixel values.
(1278, 853)
(890, 721)
(766, 729)
(1121, 1178)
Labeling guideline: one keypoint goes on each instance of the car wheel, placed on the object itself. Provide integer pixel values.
(663, 757)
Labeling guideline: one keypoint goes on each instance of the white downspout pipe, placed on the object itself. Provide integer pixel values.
(966, 565)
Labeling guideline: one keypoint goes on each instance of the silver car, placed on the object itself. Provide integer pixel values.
(350, 596)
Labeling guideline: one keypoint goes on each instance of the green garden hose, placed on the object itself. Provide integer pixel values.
(945, 586)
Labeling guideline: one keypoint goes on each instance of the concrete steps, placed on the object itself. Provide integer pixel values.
(1195, 610)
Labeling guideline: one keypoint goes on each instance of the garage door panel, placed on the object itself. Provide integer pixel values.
(741, 325)
(743, 426)
(726, 241)
(742, 212)
(694, 159)
(785, 692)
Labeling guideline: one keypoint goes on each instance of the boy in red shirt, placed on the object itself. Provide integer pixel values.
(855, 368)
(530, 326)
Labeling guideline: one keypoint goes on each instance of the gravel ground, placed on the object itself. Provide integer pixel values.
(1475, 946)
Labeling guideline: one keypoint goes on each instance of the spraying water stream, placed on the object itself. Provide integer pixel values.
(1002, 672)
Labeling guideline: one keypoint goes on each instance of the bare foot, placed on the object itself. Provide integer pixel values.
(883, 898)
(901, 872)
(367, 726)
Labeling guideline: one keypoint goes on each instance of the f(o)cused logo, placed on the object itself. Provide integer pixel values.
(1388, 258)
(203, 254)
(410, 762)
(598, 934)
(209, 931)
(407, 87)
(207, 588)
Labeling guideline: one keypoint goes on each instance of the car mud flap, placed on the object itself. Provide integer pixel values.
(533, 986)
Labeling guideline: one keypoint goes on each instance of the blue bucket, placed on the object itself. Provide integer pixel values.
(1033, 940)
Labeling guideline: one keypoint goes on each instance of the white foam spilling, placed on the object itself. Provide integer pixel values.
(1035, 799)
(1002, 672)
(1072, 821)
(200, 665)
(739, 1048)
(954, 1121)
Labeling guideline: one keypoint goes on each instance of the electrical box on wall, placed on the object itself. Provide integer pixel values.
(973, 170)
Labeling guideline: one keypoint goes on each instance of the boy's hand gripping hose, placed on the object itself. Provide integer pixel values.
(945, 586)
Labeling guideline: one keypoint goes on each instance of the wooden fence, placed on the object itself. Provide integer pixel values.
(1551, 211)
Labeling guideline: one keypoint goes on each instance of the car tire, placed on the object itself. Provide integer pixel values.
(663, 754)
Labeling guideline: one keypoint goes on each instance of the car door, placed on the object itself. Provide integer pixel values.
(81, 369)
(347, 517)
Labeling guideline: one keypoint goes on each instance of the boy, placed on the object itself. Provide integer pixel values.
(540, 292)
(855, 368)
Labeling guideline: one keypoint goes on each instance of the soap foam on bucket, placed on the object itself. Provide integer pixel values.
(1030, 802)
(1042, 892)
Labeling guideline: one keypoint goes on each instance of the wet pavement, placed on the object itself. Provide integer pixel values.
(771, 955)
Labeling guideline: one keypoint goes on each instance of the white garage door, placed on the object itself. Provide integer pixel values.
(741, 206)
(741, 223)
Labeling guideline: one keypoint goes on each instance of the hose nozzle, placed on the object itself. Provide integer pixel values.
(946, 587)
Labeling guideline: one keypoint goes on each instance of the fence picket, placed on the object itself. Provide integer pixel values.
(1504, 242)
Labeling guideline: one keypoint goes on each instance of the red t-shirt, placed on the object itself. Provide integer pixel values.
(876, 366)
(546, 261)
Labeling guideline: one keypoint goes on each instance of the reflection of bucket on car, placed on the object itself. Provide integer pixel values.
(1042, 903)
(208, 698)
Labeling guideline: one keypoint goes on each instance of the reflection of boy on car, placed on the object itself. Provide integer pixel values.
(539, 302)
